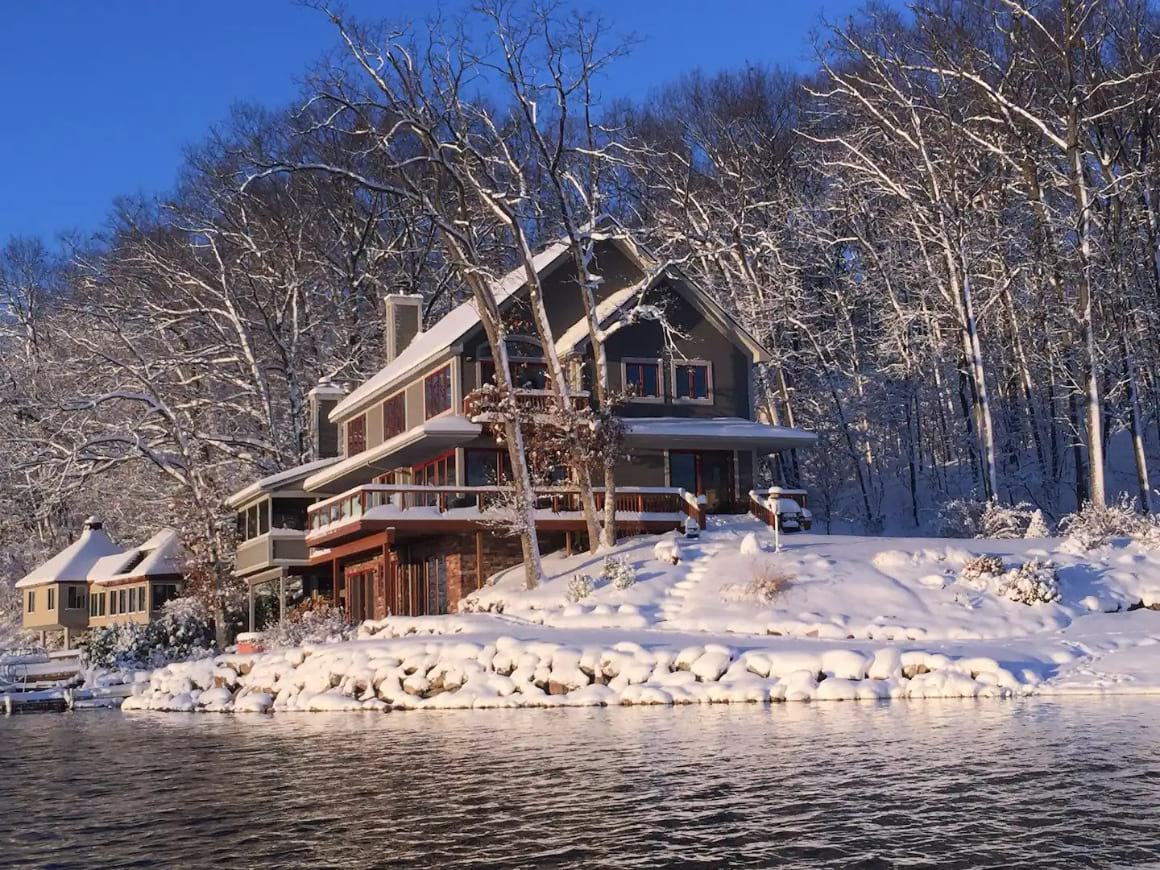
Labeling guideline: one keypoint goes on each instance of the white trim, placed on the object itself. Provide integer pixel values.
(685, 400)
(643, 360)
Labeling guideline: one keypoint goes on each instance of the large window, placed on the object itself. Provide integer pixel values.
(74, 598)
(487, 467)
(525, 374)
(692, 381)
(394, 416)
(97, 604)
(435, 570)
(437, 472)
(290, 513)
(254, 521)
(437, 392)
(642, 379)
(356, 435)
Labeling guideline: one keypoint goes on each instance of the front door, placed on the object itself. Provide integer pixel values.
(704, 472)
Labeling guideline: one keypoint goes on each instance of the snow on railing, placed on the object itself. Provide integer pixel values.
(355, 503)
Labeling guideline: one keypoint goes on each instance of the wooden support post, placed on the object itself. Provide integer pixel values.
(568, 543)
(479, 560)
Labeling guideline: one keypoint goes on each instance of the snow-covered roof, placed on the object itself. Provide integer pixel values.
(73, 563)
(441, 337)
(161, 554)
(447, 430)
(694, 431)
(279, 480)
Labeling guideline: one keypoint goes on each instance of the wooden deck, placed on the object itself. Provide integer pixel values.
(418, 510)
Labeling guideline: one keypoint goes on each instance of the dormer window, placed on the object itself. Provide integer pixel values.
(642, 380)
(692, 381)
(356, 435)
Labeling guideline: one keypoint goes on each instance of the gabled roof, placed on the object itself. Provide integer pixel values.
(576, 336)
(73, 563)
(161, 555)
(279, 480)
(444, 334)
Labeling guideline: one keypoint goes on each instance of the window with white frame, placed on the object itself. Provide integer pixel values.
(642, 379)
(692, 381)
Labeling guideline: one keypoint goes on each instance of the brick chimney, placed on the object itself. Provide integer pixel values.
(324, 434)
(402, 321)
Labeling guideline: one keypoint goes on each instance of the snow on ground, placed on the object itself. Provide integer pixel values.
(849, 618)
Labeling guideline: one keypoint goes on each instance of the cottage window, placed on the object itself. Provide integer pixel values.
(123, 601)
(31, 600)
(436, 578)
(642, 379)
(51, 598)
(163, 593)
(394, 416)
(75, 598)
(133, 608)
(692, 381)
(356, 435)
(113, 603)
(437, 392)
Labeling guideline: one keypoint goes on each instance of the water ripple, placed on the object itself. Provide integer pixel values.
(950, 783)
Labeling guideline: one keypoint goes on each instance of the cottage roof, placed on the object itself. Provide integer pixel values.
(73, 563)
(162, 554)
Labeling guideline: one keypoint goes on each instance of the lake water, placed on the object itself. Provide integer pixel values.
(964, 783)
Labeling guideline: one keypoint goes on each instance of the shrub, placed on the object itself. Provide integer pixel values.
(767, 582)
(313, 621)
(1037, 526)
(961, 518)
(1093, 526)
(1006, 521)
(977, 570)
(618, 571)
(1033, 582)
(579, 587)
(183, 631)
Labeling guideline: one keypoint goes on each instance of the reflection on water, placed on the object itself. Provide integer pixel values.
(1027, 783)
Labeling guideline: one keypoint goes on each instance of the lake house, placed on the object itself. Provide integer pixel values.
(396, 521)
(93, 582)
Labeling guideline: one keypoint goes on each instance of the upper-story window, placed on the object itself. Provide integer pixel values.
(31, 600)
(394, 416)
(642, 379)
(254, 521)
(75, 598)
(437, 392)
(692, 381)
(356, 435)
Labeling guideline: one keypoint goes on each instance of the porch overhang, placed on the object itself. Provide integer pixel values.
(408, 448)
(713, 433)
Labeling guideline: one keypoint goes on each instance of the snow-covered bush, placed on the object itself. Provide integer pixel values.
(961, 518)
(1037, 526)
(1006, 521)
(768, 580)
(183, 631)
(579, 587)
(1033, 582)
(979, 569)
(1093, 525)
(309, 623)
(618, 571)
(750, 546)
(668, 550)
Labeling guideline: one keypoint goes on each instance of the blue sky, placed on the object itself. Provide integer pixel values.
(102, 96)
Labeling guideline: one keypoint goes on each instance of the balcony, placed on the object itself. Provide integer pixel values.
(416, 506)
(536, 402)
(276, 548)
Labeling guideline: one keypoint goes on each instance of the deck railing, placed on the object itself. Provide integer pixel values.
(760, 500)
(536, 401)
(356, 503)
